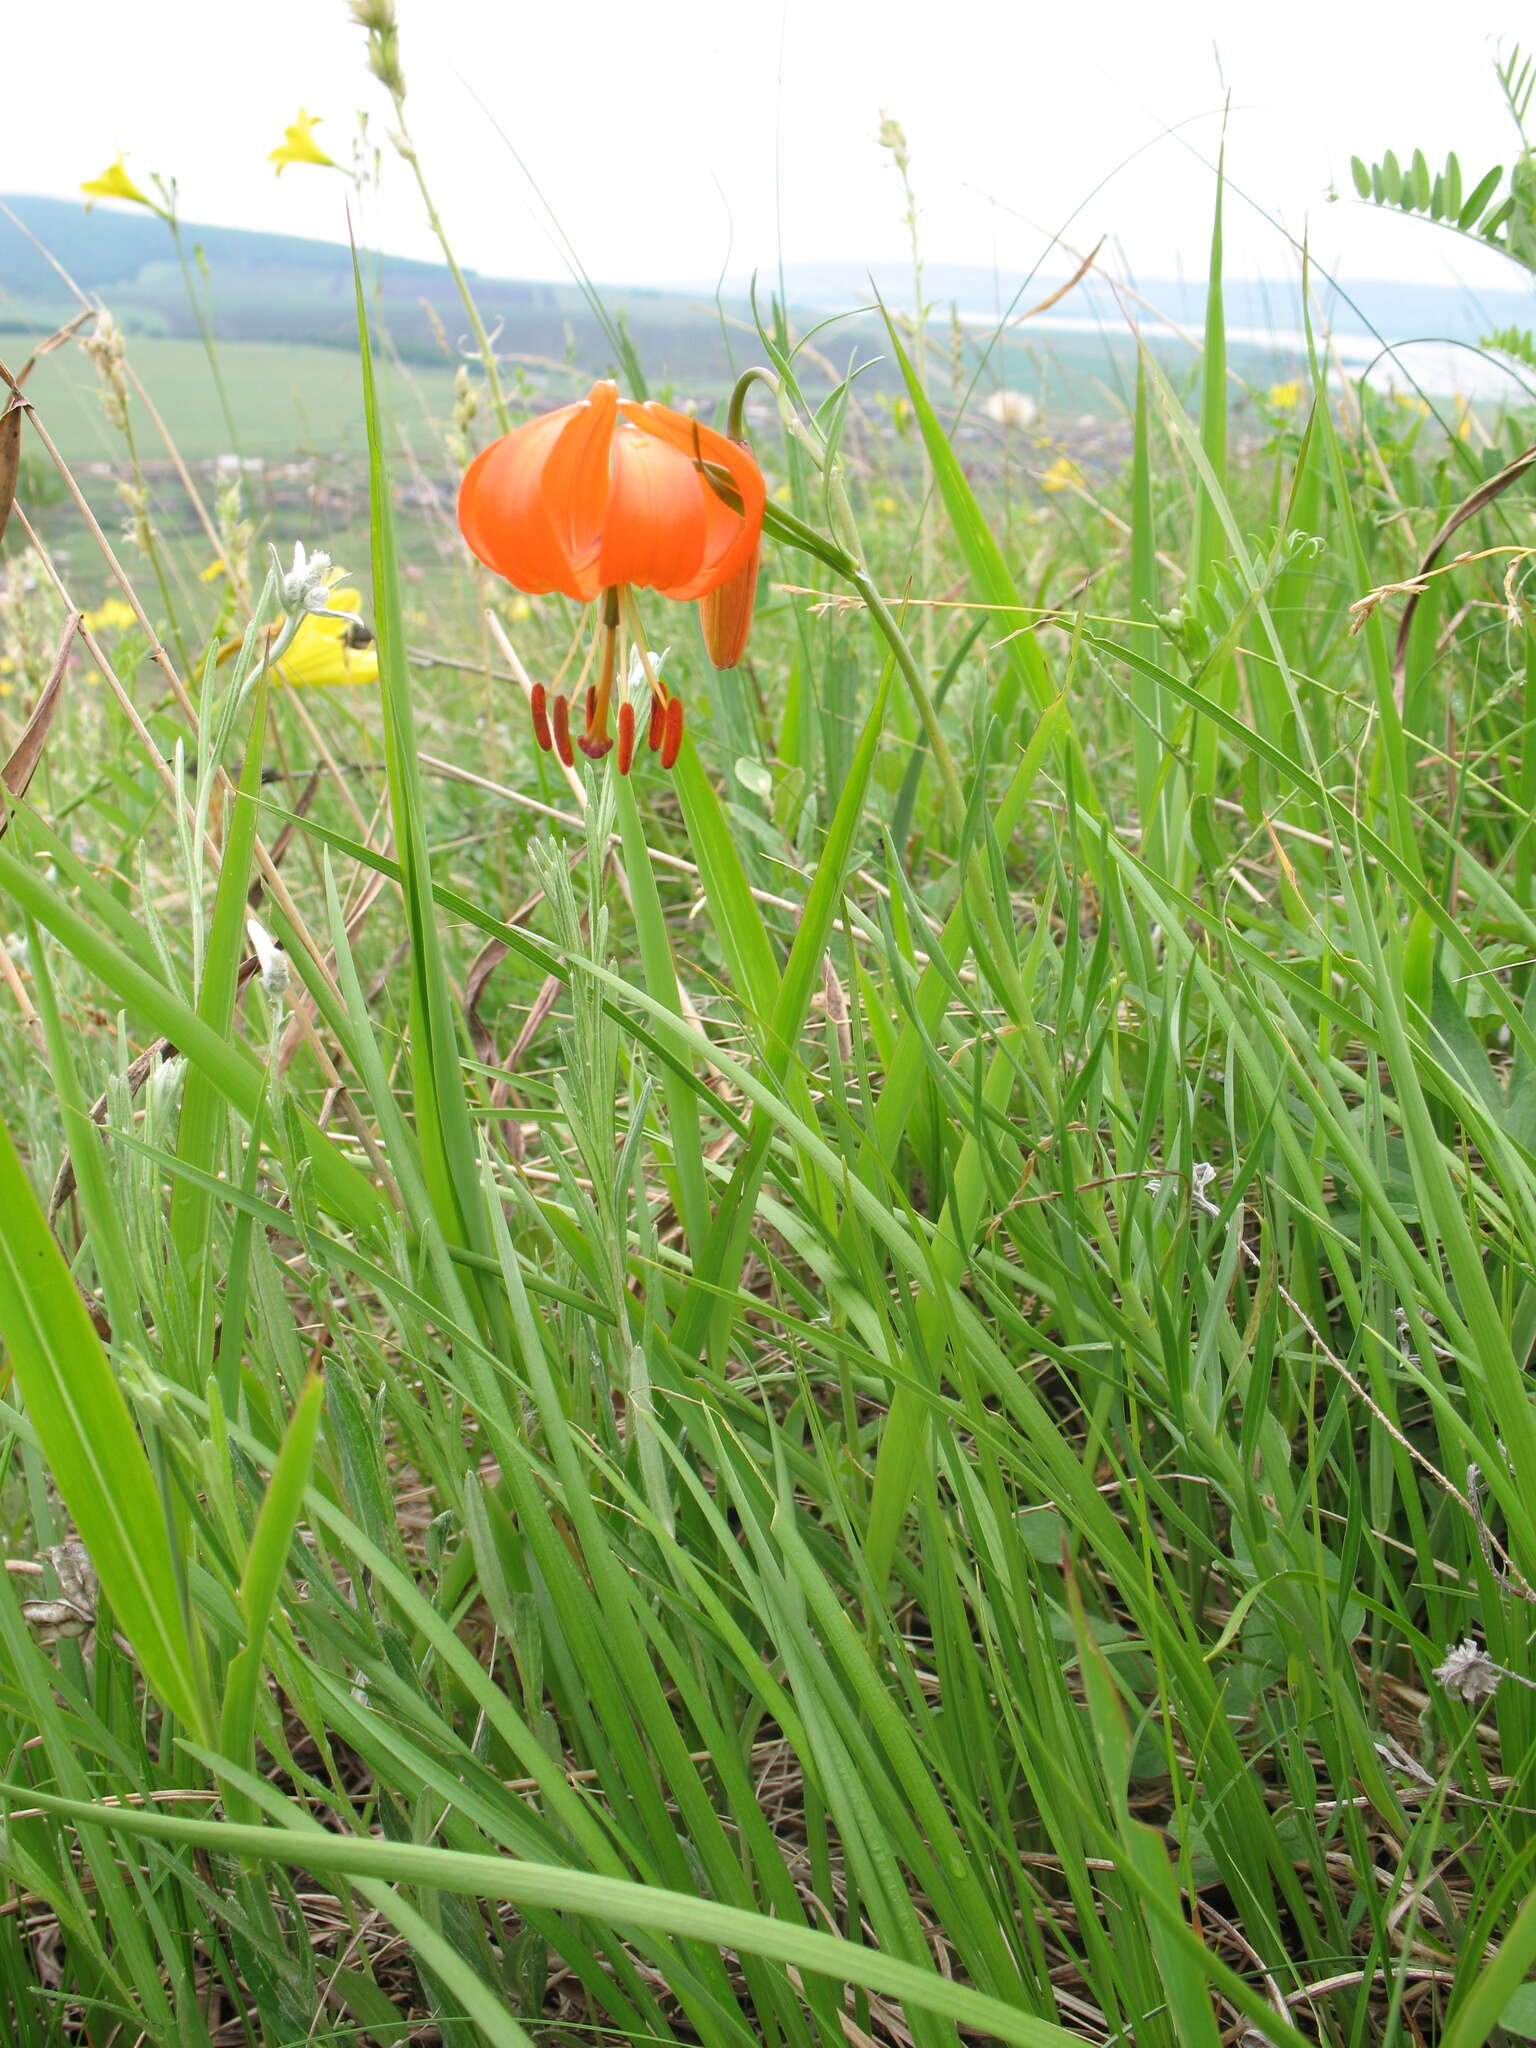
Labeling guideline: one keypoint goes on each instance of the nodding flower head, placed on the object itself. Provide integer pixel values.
(606, 495)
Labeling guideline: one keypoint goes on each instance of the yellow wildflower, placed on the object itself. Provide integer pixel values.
(1285, 397)
(1063, 475)
(112, 616)
(212, 573)
(299, 146)
(518, 610)
(115, 183)
(328, 650)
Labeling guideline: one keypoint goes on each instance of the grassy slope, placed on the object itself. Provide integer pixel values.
(288, 401)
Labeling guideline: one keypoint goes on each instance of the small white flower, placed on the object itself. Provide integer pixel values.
(306, 587)
(305, 580)
(1011, 409)
(276, 971)
(1468, 1673)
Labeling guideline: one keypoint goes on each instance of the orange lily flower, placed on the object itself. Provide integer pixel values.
(603, 494)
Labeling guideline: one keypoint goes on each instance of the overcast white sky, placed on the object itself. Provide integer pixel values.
(677, 138)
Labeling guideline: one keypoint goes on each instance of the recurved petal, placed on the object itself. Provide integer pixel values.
(716, 464)
(503, 513)
(577, 484)
(657, 529)
(725, 613)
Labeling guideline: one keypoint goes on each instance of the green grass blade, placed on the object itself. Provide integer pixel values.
(611, 1900)
(202, 1108)
(93, 1450)
(265, 1561)
(233, 1068)
(445, 1127)
(660, 969)
(712, 1308)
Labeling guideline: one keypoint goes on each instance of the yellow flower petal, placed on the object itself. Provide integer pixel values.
(1063, 475)
(111, 616)
(319, 656)
(115, 183)
(211, 574)
(299, 146)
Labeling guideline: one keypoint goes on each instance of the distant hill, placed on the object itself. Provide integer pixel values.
(1397, 309)
(286, 288)
(291, 292)
(109, 246)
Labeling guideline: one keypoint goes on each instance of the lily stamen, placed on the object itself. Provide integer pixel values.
(561, 720)
(537, 704)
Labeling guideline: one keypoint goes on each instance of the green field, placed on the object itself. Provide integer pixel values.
(287, 401)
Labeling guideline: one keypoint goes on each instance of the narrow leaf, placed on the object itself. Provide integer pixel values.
(88, 1437)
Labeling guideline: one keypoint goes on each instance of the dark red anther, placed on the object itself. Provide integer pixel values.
(591, 704)
(538, 704)
(626, 736)
(672, 737)
(658, 723)
(562, 725)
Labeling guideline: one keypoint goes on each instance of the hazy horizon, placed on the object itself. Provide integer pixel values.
(714, 145)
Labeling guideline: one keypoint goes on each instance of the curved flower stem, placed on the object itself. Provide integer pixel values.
(738, 405)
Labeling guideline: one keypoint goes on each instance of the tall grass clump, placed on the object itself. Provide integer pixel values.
(875, 1392)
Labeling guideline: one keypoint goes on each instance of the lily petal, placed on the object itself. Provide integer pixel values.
(576, 486)
(504, 513)
(730, 537)
(656, 529)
